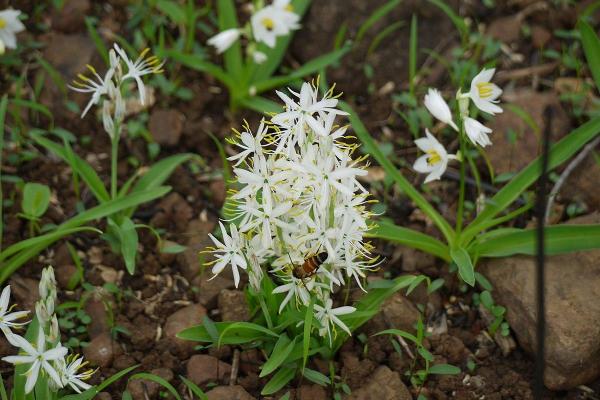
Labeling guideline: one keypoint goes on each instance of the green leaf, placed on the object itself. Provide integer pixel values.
(234, 64)
(279, 380)
(128, 241)
(229, 333)
(458, 22)
(399, 332)
(92, 392)
(412, 54)
(283, 348)
(172, 10)
(156, 379)
(559, 239)
(100, 46)
(34, 106)
(198, 63)
(374, 17)
(411, 238)
(244, 325)
(316, 377)
(559, 153)
(591, 47)
(371, 147)
(308, 321)
(444, 369)
(194, 388)
(261, 105)
(311, 67)
(465, 267)
(36, 199)
(77, 164)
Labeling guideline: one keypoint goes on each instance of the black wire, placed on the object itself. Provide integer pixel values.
(541, 204)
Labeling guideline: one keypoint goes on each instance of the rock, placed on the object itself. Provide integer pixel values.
(208, 290)
(174, 212)
(573, 311)
(71, 17)
(197, 234)
(166, 126)
(24, 292)
(143, 332)
(184, 318)
(180, 320)
(233, 307)
(99, 324)
(103, 396)
(400, 313)
(102, 350)
(540, 36)
(229, 393)
(515, 142)
(64, 273)
(384, 384)
(311, 392)
(505, 29)
(218, 192)
(582, 185)
(203, 369)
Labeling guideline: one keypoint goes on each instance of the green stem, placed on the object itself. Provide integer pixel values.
(461, 193)
(113, 165)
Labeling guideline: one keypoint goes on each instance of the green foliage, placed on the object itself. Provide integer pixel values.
(293, 337)
(35, 202)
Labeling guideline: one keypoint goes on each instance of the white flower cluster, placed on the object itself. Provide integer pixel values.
(47, 354)
(10, 25)
(109, 87)
(484, 95)
(300, 212)
(266, 24)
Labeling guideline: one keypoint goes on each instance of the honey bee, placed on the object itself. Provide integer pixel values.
(310, 266)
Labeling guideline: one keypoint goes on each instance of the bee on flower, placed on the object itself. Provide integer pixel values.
(299, 214)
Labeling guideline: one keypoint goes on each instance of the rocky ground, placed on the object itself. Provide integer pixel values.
(134, 319)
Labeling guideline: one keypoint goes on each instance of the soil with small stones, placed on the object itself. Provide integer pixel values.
(137, 323)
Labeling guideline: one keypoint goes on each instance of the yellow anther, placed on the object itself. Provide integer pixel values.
(91, 68)
(485, 89)
(2, 23)
(433, 157)
(144, 52)
(268, 23)
(83, 77)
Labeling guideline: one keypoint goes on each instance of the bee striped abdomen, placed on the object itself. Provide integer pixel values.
(310, 266)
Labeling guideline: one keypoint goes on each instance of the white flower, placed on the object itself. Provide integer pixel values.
(38, 357)
(294, 288)
(477, 132)
(249, 143)
(328, 317)
(484, 93)
(435, 159)
(270, 22)
(7, 319)
(438, 107)
(223, 40)
(96, 85)
(259, 57)
(142, 66)
(68, 372)
(229, 252)
(10, 25)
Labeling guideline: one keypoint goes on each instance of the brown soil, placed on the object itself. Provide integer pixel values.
(165, 284)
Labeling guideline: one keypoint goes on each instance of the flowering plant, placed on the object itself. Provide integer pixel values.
(297, 226)
(247, 74)
(464, 243)
(43, 365)
(107, 92)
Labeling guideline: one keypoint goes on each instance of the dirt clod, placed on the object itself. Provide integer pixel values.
(203, 369)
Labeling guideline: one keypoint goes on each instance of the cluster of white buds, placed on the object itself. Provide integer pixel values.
(10, 25)
(300, 212)
(484, 95)
(46, 354)
(266, 24)
(109, 88)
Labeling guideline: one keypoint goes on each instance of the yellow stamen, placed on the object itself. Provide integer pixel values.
(2, 23)
(91, 68)
(83, 77)
(268, 23)
(289, 8)
(144, 52)
(485, 89)
(433, 157)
